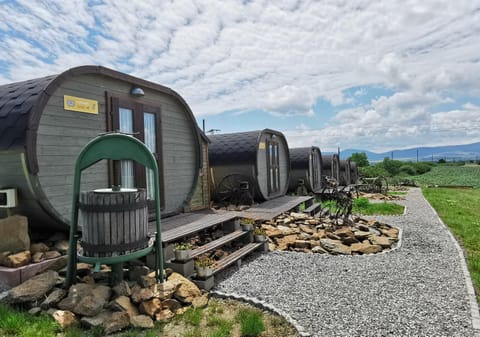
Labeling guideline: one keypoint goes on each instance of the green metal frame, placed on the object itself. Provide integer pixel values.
(114, 146)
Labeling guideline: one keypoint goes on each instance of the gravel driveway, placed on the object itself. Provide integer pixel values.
(417, 290)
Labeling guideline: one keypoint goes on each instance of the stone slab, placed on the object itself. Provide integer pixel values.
(15, 276)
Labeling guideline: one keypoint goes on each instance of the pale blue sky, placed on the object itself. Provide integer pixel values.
(376, 75)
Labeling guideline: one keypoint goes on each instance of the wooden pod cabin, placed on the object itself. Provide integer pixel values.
(255, 162)
(306, 167)
(45, 122)
(353, 172)
(345, 172)
(331, 166)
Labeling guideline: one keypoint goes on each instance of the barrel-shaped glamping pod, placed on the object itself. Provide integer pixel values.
(353, 172)
(45, 122)
(344, 173)
(255, 164)
(331, 166)
(305, 169)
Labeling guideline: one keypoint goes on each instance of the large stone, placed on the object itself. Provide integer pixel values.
(18, 259)
(135, 272)
(187, 290)
(53, 254)
(95, 321)
(38, 257)
(319, 250)
(365, 248)
(150, 307)
(335, 247)
(362, 235)
(116, 322)
(53, 298)
(164, 315)
(34, 288)
(166, 289)
(89, 306)
(171, 304)
(384, 242)
(141, 321)
(299, 216)
(390, 232)
(200, 302)
(122, 289)
(274, 232)
(307, 229)
(141, 294)
(14, 234)
(146, 281)
(65, 319)
(39, 247)
(302, 244)
(62, 246)
(346, 235)
(285, 242)
(80, 291)
(123, 303)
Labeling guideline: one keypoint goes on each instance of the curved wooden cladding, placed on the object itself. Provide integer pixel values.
(307, 164)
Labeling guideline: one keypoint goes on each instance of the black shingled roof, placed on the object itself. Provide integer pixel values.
(17, 101)
(234, 148)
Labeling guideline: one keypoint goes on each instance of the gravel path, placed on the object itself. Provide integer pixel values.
(416, 290)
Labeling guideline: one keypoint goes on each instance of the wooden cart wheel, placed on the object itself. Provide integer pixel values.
(235, 189)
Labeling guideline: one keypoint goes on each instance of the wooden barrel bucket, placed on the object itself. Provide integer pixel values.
(113, 222)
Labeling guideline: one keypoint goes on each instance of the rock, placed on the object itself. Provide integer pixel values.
(286, 230)
(141, 294)
(122, 289)
(65, 318)
(365, 248)
(301, 244)
(79, 291)
(134, 272)
(116, 322)
(319, 234)
(187, 290)
(14, 234)
(95, 321)
(34, 288)
(318, 249)
(331, 236)
(271, 246)
(380, 240)
(62, 246)
(274, 232)
(335, 247)
(304, 236)
(285, 242)
(314, 243)
(307, 229)
(53, 298)
(123, 303)
(3, 256)
(141, 321)
(150, 307)
(39, 247)
(171, 304)
(146, 281)
(346, 235)
(89, 306)
(51, 255)
(390, 232)
(38, 257)
(35, 311)
(83, 268)
(164, 315)
(363, 228)
(362, 235)
(59, 263)
(166, 289)
(18, 259)
(200, 302)
(299, 216)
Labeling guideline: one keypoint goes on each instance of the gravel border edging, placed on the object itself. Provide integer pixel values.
(262, 305)
(472, 299)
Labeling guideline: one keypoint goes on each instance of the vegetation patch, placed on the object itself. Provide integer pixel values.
(365, 207)
(450, 175)
(459, 209)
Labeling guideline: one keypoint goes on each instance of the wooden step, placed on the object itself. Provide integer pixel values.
(238, 254)
(313, 209)
(218, 243)
(180, 229)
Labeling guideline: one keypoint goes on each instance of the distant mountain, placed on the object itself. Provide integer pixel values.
(449, 153)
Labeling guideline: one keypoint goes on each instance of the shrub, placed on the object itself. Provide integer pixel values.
(408, 169)
(251, 322)
(422, 168)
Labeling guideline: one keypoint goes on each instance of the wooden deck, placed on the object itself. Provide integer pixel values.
(273, 208)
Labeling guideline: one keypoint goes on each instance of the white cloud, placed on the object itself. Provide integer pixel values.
(279, 57)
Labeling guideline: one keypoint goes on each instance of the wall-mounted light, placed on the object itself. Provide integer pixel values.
(137, 92)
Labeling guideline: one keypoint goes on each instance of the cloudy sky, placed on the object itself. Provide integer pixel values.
(375, 75)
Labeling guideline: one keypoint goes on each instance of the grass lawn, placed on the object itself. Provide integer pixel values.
(222, 318)
(460, 211)
(363, 206)
(467, 175)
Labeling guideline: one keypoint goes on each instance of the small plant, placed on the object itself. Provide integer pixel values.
(183, 246)
(361, 203)
(205, 262)
(247, 221)
(259, 231)
(251, 322)
(301, 207)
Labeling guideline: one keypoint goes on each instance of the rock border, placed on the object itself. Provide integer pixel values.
(264, 306)
(472, 299)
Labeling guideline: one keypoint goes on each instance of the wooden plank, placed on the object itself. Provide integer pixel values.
(238, 254)
(218, 243)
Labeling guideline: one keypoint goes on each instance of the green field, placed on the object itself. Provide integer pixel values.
(443, 175)
(460, 210)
